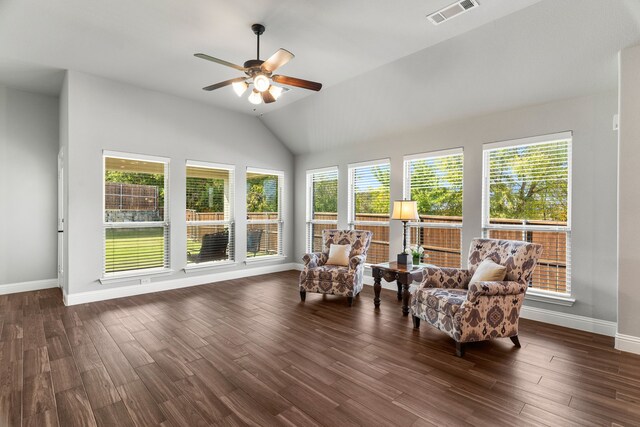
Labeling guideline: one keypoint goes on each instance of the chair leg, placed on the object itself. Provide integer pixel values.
(460, 349)
(515, 341)
(350, 301)
(303, 295)
(416, 322)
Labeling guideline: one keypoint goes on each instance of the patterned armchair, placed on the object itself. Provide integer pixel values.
(484, 310)
(333, 279)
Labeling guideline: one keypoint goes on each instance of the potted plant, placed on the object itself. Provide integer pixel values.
(417, 252)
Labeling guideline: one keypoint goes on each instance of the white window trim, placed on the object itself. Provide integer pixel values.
(559, 298)
(310, 196)
(231, 223)
(279, 221)
(123, 276)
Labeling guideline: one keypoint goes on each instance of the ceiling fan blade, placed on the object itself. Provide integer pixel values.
(224, 83)
(219, 61)
(277, 60)
(292, 81)
(267, 97)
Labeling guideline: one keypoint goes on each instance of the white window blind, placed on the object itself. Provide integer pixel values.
(434, 181)
(136, 221)
(369, 205)
(322, 205)
(264, 213)
(527, 196)
(210, 217)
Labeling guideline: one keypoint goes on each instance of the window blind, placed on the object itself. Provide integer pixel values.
(527, 196)
(136, 224)
(369, 205)
(264, 213)
(434, 181)
(322, 205)
(209, 211)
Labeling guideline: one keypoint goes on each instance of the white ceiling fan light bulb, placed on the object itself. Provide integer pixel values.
(261, 82)
(275, 91)
(255, 98)
(239, 87)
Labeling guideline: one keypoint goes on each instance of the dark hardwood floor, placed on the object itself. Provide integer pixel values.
(248, 352)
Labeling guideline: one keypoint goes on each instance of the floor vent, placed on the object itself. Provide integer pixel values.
(452, 11)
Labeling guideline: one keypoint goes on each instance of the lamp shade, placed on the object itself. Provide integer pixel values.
(405, 210)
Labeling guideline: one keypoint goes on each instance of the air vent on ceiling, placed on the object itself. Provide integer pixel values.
(452, 10)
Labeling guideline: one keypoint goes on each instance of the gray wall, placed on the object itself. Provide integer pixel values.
(105, 115)
(629, 193)
(594, 183)
(28, 186)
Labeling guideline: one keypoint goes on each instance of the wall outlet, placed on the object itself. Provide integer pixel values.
(145, 280)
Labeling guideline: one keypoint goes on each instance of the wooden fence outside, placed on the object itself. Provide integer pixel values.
(443, 244)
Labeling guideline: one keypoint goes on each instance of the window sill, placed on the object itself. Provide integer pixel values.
(191, 268)
(128, 277)
(550, 298)
(267, 258)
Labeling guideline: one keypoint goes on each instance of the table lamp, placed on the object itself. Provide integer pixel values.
(405, 211)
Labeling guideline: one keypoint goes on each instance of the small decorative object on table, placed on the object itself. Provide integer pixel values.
(417, 252)
(405, 211)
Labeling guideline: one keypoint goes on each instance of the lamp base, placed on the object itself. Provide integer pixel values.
(405, 260)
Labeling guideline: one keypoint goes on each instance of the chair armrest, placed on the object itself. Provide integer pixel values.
(355, 261)
(313, 259)
(479, 289)
(442, 277)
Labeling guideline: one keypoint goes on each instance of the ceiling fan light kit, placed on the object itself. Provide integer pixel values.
(260, 74)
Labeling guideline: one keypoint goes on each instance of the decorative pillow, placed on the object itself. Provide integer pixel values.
(339, 255)
(489, 271)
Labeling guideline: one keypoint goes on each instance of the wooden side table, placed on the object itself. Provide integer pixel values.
(391, 271)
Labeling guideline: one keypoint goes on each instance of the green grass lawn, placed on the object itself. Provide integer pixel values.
(136, 249)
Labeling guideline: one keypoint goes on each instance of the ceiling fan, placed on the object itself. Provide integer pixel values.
(260, 74)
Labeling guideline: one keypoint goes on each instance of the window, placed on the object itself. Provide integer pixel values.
(527, 196)
(434, 180)
(322, 205)
(264, 213)
(136, 222)
(210, 227)
(369, 205)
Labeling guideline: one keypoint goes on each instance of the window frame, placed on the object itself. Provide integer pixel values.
(406, 190)
(165, 224)
(310, 222)
(562, 298)
(351, 213)
(279, 221)
(230, 222)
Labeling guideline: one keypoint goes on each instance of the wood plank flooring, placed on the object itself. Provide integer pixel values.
(248, 352)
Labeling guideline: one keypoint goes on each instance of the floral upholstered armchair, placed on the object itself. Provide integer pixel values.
(317, 276)
(482, 310)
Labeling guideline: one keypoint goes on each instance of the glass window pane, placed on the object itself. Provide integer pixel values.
(134, 249)
(262, 196)
(529, 183)
(263, 239)
(134, 190)
(207, 243)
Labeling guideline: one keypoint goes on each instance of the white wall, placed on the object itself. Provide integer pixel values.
(28, 187)
(629, 195)
(594, 183)
(105, 115)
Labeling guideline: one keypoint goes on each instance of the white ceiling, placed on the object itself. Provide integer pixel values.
(150, 43)
(555, 49)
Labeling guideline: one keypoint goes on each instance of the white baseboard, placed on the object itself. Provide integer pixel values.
(182, 282)
(628, 343)
(35, 285)
(572, 321)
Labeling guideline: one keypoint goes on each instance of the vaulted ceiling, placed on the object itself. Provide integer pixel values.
(383, 65)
